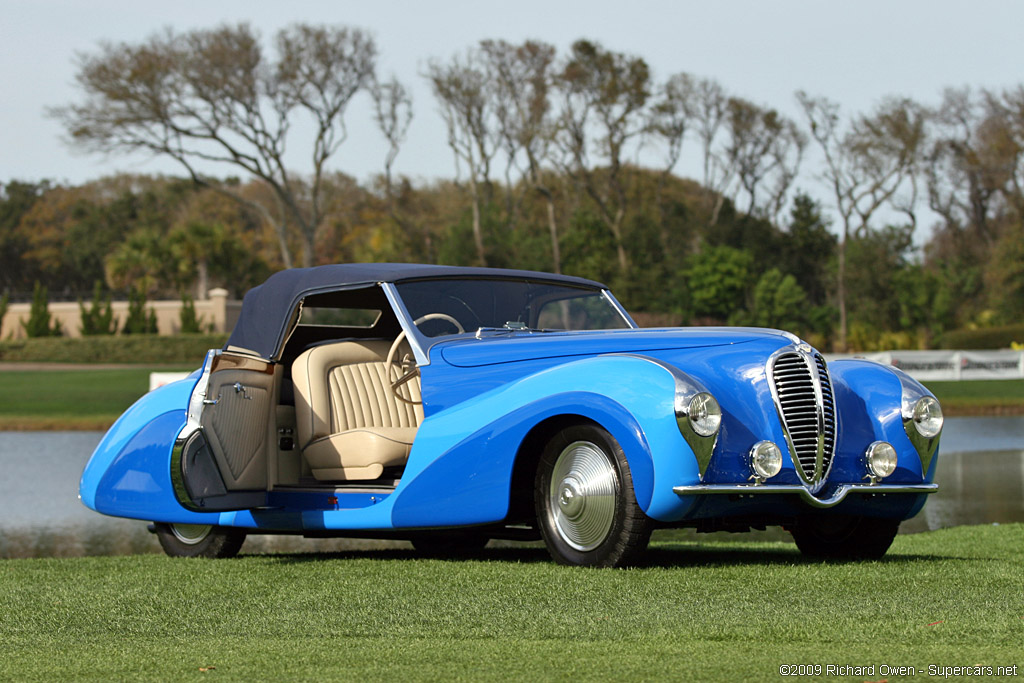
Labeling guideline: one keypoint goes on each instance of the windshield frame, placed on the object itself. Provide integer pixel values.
(421, 343)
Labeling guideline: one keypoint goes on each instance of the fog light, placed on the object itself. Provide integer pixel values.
(928, 417)
(765, 459)
(881, 459)
(705, 414)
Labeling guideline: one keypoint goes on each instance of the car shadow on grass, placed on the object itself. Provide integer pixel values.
(660, 557)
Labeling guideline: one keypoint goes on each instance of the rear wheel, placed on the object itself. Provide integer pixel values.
(199, 540)
(845, 538)
(585, 503)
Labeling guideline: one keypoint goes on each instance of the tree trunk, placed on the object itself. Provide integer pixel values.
(620, 248)
(478, 235)
(307, 250)
(841, 295)
(202, 280)
(281, 230)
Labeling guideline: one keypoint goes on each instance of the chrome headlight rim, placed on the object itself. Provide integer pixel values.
(927, 417)
(913, 392)
(881, 460)
(704, 414)
(765, 460)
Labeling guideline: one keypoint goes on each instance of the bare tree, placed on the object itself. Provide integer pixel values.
(393, 114)
(866, 164)
(213, 97)
(461, 87)
(673, 116)
(604, 95)
(762, 145)
(711, 112)
(523, 79)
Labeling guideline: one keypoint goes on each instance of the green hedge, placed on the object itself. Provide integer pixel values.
(983, 338)
(149, 349)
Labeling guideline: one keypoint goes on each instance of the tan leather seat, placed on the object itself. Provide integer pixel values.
(349, 423)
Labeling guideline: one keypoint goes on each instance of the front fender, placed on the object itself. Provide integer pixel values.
(869, 398)
(455, 479)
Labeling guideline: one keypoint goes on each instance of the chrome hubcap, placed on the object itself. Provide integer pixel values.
(191, 534)
(582, 495)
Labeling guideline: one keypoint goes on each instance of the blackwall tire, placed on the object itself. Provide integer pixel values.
(585, 503)
(199, 540)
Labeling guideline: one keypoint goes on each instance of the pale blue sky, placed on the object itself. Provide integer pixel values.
(852, 52)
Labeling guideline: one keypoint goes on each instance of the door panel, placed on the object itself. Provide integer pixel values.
(238, 420)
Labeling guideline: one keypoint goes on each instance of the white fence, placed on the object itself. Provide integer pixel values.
(949, 365)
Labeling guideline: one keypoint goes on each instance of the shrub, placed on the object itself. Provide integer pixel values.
(139, 320)
(5, 300)
(38, 323)
(99, 317)
(983, 338)
(190, 324)
(183, 349)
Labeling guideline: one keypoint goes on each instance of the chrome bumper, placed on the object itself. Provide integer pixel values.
(833, 500)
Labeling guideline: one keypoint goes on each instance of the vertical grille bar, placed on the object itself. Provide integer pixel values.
(828, 410)
(805, 402)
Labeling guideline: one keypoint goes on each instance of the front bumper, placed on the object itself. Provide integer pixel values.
(806, 496)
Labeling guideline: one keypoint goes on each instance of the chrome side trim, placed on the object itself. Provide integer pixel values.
(912, 392)
(412, 334)
(833, 500)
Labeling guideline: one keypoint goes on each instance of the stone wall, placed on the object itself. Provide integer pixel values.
(216, 310)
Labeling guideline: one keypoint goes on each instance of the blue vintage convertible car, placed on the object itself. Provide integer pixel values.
(449, 406)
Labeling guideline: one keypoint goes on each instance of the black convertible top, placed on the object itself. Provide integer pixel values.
(267, 308)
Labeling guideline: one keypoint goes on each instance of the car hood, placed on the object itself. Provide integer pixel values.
(522, 346)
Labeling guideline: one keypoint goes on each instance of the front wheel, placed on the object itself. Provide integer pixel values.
(845, 538)
(585, 503)
(199, 540)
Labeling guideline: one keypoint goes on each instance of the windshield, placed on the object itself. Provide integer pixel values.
(447, 307)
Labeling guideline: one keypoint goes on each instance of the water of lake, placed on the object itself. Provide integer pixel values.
(980, 475)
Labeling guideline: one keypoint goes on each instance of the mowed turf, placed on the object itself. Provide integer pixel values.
(93, 399)
(68, 399)
(711, 611)
(974, 397)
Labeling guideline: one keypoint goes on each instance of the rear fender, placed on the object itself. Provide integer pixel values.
(128, 474)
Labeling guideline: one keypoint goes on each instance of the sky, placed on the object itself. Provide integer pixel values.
(855, 53)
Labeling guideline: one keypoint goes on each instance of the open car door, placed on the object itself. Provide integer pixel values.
(224, 463)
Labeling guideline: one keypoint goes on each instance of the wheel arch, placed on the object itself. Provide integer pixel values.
(527, 458)
(625, 431)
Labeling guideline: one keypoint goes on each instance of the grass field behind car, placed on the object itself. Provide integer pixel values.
(70, 399)
(94, 398)
(700, 611)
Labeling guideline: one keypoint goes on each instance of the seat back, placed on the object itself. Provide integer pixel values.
(344, 386)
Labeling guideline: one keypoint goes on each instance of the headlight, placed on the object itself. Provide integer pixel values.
(765, 459)
(704, 413)
(881, 459)
(928, 417)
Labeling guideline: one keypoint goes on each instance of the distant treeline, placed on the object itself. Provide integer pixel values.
(548, 148)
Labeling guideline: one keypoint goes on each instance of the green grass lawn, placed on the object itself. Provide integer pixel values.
(700, 611)
(68, 399)
(976, 396)
(93, 399)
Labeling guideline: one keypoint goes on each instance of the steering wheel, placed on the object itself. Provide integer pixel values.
(390, 364)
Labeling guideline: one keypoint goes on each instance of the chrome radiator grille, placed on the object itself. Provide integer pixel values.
(805, 401)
